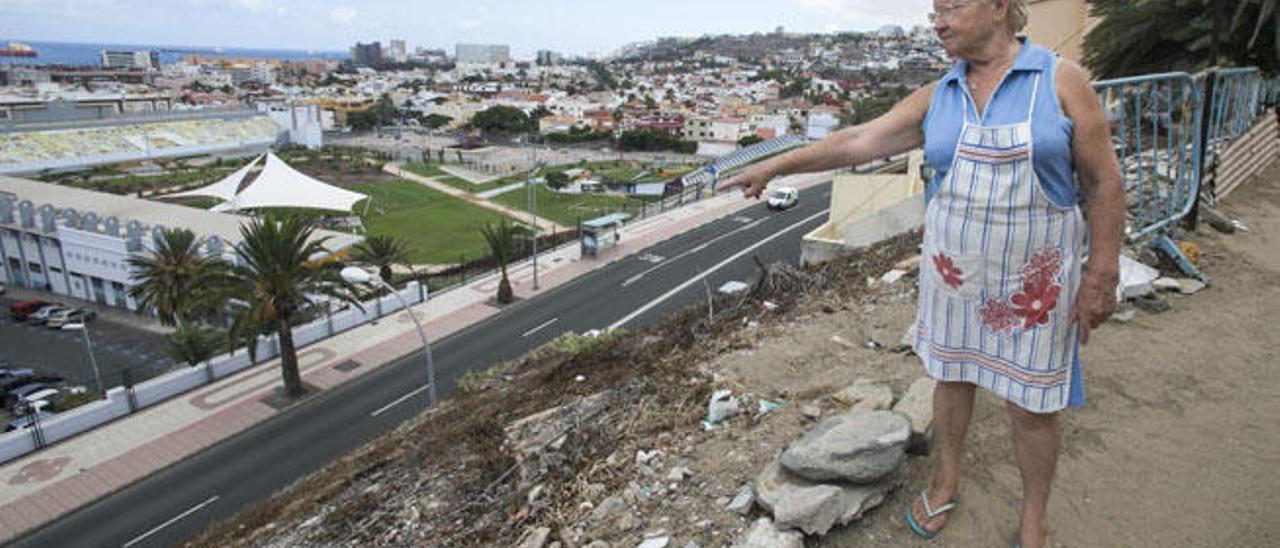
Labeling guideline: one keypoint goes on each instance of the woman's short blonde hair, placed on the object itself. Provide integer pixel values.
(1016, 19)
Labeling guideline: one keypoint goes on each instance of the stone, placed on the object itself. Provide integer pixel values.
(1189, 286)
(626, 522)
(811, 411)
(534, 494)
(597, 544)
(535, 431)
(536, 538)
(917, 405)
(764, 534)
(679, 473)
(857, 446)
(608, 508)
(813, 507)
(741, 503)
(1151, 303)
(843, 342)
(863, 395)
(655, 542)
(1166, 284)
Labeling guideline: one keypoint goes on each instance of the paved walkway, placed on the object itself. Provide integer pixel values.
(42, 486)
(544, 224)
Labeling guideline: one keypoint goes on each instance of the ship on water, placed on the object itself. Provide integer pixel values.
(18, 49)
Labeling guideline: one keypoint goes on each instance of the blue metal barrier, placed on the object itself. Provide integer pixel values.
(1155, 129)
(1235, 104)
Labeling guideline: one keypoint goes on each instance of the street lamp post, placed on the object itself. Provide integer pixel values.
(533, 206)
(356, 275)
(88, 346)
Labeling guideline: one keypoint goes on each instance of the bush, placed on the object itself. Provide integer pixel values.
(66, 401)
(654, 141)
(573, 343)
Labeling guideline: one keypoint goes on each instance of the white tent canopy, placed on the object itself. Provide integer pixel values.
(282, 186)
(224, 189)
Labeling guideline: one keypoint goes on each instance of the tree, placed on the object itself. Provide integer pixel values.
(502, 120)
(1178, 35)
(194, 344)
(557, 180)
(502, 242)
(172, 279)
(382, 251)
(274, 276)
(750, 140)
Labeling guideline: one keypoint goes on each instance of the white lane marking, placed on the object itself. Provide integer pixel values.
(536, 329)
(399, 400)
(701, 247)
(193, 510)
(707, 272)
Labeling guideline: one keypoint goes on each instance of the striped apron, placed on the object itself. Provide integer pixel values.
(1000, 270)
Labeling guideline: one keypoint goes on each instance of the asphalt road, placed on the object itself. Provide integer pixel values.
(178, 502)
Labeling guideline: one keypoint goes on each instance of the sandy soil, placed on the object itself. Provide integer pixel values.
(1175, 447)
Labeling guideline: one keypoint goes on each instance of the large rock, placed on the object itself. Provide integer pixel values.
(858, 447)
(917, 405)
(536, 538)
(535, 431)
(815, 507)
(764, 534)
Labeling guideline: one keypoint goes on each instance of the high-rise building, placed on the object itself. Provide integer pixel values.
(130, 59)
(397, 51)
(367, 54)
(482, 54)
(548, 58)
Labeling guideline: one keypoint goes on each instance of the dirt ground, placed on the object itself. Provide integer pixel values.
(1176, 445)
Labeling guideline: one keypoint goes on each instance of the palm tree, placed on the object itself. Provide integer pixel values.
(1178, 35)
(502, 242)
(194, 344)
(171, 280)
(273, 276)
(382, 252)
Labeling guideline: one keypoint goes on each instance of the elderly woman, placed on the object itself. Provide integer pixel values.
(1004, 300)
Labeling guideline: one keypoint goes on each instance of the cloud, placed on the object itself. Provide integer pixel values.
(343, 15)
(867, 13)
(255, 6)
(469, 24)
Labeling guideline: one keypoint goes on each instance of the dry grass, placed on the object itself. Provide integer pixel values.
(447, 478)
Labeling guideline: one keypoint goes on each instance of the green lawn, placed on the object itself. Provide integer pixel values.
(437, 227)
(568, 209)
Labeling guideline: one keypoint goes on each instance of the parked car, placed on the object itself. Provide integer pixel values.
(13, 382)
(27, 420)
(69, 315)
(7, 374)
(19, 310)
(1, 288)
(14, 396)
(40, 316)
(783, 197)
(35, 401)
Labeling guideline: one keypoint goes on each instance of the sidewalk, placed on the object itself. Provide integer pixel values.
(44, 485)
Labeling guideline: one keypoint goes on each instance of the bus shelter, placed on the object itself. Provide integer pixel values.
(601, 233)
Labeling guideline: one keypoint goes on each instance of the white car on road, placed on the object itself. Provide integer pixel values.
(783, 197)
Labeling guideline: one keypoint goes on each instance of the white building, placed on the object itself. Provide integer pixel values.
(77, 242)
(820, 124)
(303, 124)
(482, 54)
(130, 59)
(397, 52)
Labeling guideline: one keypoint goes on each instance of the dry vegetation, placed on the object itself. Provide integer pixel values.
(452, 477)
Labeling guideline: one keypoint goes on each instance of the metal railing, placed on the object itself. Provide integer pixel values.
(1155, 129)
(1235, 102)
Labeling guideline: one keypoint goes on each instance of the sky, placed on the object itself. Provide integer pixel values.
(578, 27)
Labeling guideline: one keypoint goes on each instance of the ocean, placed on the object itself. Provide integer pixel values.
(68, 53)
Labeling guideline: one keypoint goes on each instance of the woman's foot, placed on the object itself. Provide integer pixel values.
(940, 502)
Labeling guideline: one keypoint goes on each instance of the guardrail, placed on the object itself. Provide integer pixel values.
(1155, 131)
(1235, 104)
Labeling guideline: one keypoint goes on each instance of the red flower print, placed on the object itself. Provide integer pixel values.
(1038, 298)
(998, 316)
(950, 274)
(1043, 267)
